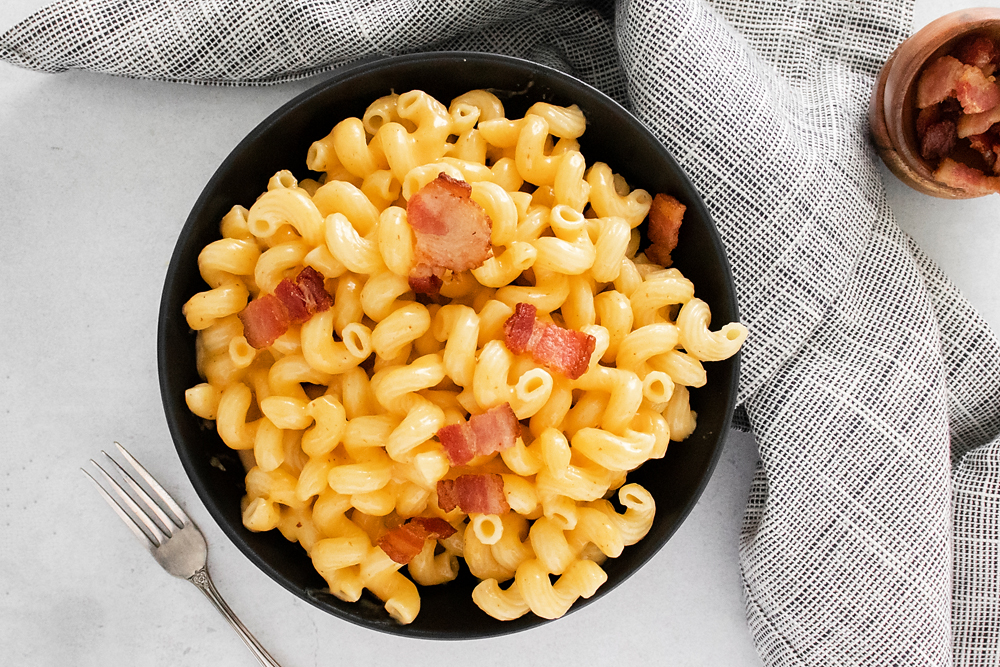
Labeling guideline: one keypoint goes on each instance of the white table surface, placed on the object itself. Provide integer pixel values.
(97, 175)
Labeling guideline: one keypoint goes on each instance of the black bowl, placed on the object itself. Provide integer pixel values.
(281, 142)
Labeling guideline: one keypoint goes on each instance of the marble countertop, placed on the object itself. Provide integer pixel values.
(97, 175)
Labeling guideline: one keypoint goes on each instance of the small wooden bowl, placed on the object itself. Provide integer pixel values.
(892, 111)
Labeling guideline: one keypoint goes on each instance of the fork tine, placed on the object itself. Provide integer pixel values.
(158, 536)
(167, 523)
(155, 486)
(129, 521)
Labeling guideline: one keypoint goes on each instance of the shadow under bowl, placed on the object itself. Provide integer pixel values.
(281, 142)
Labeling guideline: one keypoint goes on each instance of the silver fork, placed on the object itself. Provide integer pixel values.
(173, 540)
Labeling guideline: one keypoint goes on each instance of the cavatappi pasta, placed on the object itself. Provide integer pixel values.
(337, 420)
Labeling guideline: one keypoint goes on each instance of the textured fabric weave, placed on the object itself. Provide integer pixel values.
(872, 531)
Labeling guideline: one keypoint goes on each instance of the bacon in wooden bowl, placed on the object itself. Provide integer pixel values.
(935, 109)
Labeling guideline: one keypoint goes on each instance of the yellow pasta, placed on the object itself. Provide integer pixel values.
(338, 421)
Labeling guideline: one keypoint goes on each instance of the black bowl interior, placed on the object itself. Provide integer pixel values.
(280, 142)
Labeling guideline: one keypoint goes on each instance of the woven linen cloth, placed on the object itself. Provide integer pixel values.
(872, 531)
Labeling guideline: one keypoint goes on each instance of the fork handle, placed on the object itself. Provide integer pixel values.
(204, 583)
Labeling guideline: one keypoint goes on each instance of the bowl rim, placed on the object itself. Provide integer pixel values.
(166, 313)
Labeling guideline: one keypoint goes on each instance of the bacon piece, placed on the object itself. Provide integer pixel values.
(665, 217)
(976, 93)
(264, 320)
(311, 282)
(973, 181)
(563, 350)
(927, 117)
(450, 231)
(988, 146)
(424, 279)
(268, 316)
(492, 431)
(938, 140)
(473, 494)
(978, 123)
(405, 541)
(938, 81)
(293, 300)
(978, 51)
(518, 328)
(950, 109)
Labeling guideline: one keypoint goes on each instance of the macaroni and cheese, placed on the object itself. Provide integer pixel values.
(448, 347)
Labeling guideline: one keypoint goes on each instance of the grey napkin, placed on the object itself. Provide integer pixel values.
(872, 531)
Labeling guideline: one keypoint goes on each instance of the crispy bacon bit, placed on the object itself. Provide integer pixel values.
(405, 541)
(976, 93)
(311, 282)
(926, 118)
(978, 123)
(293, 302)
(264, 320)
(978, 51)
(987, 145)
(958, 175)
(492, 431)
(665, 217)
(938, 81)
(450, 231)
(938, 140)
(518, 328)
(551, 345)
(473, 494)
(424, 280)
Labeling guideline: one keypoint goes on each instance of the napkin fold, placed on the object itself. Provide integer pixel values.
(872, 531)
